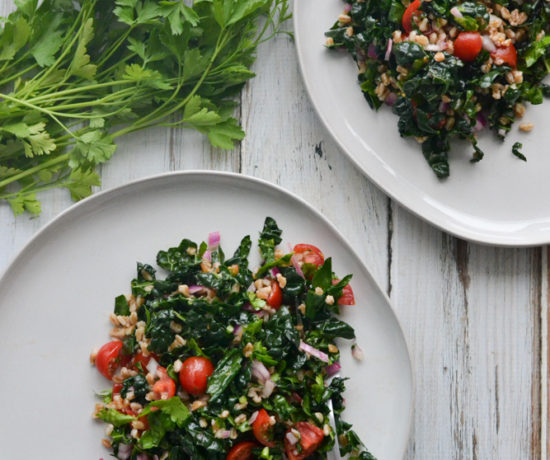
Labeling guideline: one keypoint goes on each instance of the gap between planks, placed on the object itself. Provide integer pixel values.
(545, 357)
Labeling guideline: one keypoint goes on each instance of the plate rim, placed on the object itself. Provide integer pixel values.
(480, 236)
(115, 191)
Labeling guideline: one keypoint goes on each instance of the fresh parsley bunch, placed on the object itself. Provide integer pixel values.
(76, 75)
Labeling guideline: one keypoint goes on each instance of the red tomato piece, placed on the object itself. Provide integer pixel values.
(347, 294)
(108, 358)
(139, 357)
(194, 374)
(311, 438)
(507, 55)
(411, 10)
(165, 387)
(309, 254)
(117, 388)
(242, 451)
(468, 45)
(262, 428)
(275, 299)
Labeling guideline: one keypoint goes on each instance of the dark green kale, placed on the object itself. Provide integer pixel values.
(438, 100)
(209, 307)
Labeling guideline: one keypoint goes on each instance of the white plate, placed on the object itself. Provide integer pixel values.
(58, 293)
(500, 200)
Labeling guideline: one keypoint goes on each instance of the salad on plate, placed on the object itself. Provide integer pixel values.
(449, 68)
(216, 361)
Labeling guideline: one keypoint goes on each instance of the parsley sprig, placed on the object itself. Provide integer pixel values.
(75, 76)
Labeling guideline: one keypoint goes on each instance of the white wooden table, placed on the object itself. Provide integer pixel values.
(475, 317)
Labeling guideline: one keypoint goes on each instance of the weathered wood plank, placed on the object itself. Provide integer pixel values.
(286, 144)
(471, 316)
(476, 318)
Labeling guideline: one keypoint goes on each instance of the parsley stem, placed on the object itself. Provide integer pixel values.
(65, 52)
(81, 89)
(18, 74)
(39, 109)
(37, 168)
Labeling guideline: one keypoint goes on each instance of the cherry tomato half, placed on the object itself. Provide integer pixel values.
(275, 299)
(507, 55)
(194, 374)
(468, 45)
(107, 359)
(165, 387)
(411, 10)
(311, 438)
(309, 254)
(347, 297)
(242, 451)
(262, 428)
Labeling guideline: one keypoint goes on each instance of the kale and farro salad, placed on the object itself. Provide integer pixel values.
(449, 68)
(215, 361)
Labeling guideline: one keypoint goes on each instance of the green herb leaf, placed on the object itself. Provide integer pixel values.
(225, 372)
(114, 417)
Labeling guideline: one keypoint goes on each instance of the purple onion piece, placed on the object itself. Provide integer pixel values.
(214, 240)
(297, 266)
(456, 12)
(391, 98)
(388, 50)
(314, 352)
(333, 369)
(260, 372)
(371, 51)
(196, 289)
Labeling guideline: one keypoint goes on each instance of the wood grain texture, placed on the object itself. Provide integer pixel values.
(472, 319)
(475, 318)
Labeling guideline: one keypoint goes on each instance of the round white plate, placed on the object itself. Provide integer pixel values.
(58, 293)
(500, 200)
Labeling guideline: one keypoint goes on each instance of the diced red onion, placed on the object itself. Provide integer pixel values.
(488, 44)
(291, 438)
(253, 417)
(207, 255)
(388, 50)
(347, 8)
(443, 45)
(142, 457)
(371, 51)
(456, 12)
(269, 386)
(248, 307)
(443, 107)
(481, 122)
(275, 271)
(124, 451)
(297, 266)
(333, 369)
(262, 314)
(237, 330)
(357, 352)
(223, 434)
(152, 366)
(296, 397)
(391, 98)
(196, 289)
(260, 372)
(313, 351)
(213, 240)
